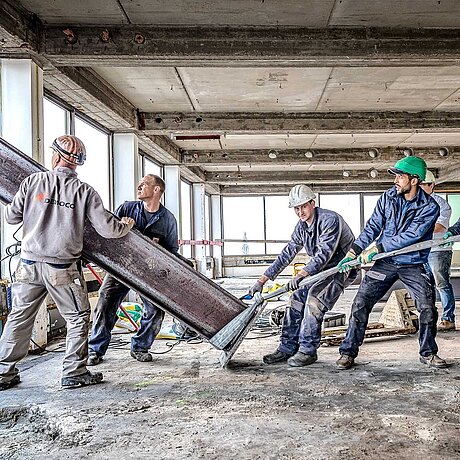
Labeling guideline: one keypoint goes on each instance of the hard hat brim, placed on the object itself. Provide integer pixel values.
(395, 171)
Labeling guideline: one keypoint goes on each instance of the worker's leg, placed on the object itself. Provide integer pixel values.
(67, 288)
(27, 295)
(111, 294)
(321, 298)
(440, 262)
(289, 342)
(417, 281)
(373, 287)
(151, 320)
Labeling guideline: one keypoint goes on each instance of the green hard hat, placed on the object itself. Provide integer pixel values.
(414, 166)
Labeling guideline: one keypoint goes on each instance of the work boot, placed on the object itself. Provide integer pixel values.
(345, 362)
(301, 359)
(87, 378)
(446, 325)
(433, 361)
(13, 382)
(276, 357)
(94, 360)
(142, 356)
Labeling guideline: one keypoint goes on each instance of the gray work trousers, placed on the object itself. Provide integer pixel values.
(67, 288)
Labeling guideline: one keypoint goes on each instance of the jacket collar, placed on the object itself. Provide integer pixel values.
(420, 199)
(65, 171)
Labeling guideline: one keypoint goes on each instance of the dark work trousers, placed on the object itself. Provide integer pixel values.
(376, 283)
(304, 316)
(111, 295)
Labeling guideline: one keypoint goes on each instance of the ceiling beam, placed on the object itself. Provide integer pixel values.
(449, 173)
(142, 45)
(307, 122)
(308, 156)
(293, 177)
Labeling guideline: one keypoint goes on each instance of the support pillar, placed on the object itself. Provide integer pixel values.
(172, 191)
(199, 225)
(216, 233)
(126, 173)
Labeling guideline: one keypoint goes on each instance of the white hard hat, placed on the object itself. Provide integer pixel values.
(299, 195)
(429, 178)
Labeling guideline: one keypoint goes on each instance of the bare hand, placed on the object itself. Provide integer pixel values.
(128, 221)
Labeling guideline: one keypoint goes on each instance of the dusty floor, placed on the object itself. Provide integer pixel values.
(183, 405)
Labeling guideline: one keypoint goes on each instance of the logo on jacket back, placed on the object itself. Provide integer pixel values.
(45, 199)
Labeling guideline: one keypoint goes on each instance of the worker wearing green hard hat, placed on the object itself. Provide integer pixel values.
(413, 166)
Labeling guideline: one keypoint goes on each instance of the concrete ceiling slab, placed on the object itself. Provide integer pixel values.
(389, 88)
(359, 140)
(396, 13)
(432, 139)
(268, 141)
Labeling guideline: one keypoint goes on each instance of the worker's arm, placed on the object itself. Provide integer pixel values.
(14, 211)
(171, 239)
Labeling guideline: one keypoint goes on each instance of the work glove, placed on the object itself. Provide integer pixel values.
(258, 286)
(293, 283)
(128, 221)
(343, 264)
(449, 244)
(368, 255)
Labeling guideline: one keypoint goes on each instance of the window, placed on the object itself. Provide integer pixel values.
(150, 167)
(348, 206)
(96, 170)
(186, 217)
(369, 203)
(454, 201)
(243, 219)
(207, 221)
(54, 125)
(280, 222)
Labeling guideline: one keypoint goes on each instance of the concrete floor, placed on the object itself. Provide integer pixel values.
(183, 405)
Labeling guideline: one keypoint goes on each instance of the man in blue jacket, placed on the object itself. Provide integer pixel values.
(326, 238)
(157, 223)
(404, 215)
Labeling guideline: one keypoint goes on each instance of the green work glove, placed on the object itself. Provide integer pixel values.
(343, 264)
(368, 255)
(449, 244)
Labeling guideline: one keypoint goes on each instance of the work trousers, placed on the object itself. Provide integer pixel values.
(111, 294)
(376, 283)
(439, 264)
(303, 320)
(67, 288)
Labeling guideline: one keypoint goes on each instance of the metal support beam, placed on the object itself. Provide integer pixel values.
(142, 45)
(309, 122)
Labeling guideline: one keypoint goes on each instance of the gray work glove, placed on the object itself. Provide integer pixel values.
(258, 286)
(293, 283)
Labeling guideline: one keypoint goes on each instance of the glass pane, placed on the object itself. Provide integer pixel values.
(369, 204)
(280, 221)
(150, 167)
(243, 219)
(54, 125)
(454, 201)
(95, 171)
(347, 205)
(186, 217)
(207, 222)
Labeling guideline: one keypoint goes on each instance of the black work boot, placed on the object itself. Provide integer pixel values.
(81, 380)
(301, 359)
(276, 357)
(433, 361)
(345, 362)
(94, 360)
(13, 382)
(142, 356)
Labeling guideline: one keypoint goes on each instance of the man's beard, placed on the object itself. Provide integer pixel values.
(403, 190)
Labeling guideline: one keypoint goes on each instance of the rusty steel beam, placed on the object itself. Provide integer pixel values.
(139, 263)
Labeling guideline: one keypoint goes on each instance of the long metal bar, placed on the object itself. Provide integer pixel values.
(141, 264)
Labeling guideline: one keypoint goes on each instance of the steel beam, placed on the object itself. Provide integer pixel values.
(297, 122)
(139, 263)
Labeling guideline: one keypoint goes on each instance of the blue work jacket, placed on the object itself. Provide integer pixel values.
(397, 222)
(162, 224)
(326, 241)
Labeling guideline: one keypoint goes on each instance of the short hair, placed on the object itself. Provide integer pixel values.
(157, 181)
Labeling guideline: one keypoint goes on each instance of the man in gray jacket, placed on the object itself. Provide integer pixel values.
(53, 206)
(326, 238)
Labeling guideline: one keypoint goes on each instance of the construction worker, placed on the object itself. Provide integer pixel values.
(404, 215)
(158, 224)
(53, 206)
(326, 238)
(440, 258)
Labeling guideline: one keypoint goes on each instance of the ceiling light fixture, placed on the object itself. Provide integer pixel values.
(443, 151)
(272, 154)
(408, 151)
(309, 154)
(374, 153)
(373, 173)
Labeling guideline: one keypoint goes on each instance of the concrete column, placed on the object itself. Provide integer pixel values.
(216, 233)
(22, 106)
(125, 167)
(172, 191)
(199, 225)
(21, 121)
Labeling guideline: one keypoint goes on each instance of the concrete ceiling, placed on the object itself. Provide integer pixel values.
(217, 86)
